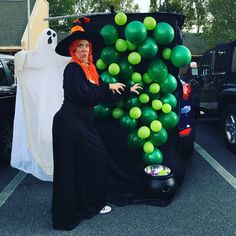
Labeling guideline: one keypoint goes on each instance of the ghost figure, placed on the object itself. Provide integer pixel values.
(39, 96)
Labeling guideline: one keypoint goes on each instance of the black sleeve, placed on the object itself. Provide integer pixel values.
(84, 92)
(111, 98)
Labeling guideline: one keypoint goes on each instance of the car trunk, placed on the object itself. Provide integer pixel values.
(126, 165)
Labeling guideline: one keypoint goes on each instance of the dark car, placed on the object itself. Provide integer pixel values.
(187, 121)
(7, 106)
(214, 89)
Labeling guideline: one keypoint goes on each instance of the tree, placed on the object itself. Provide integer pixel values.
(194, 10)
(61, 8)
(196, 13)
(104, 5)
(221, 25)
(171, 6)
(73, 7)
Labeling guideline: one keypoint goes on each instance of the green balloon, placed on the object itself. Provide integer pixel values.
(127, 122)
(136, 77)
(154, 88)
(149, 22)
(166, 53)
(180, 56)
(164, 33)
(157, 70)
(148, 115)
(134, 141)
(131, 46)
(148, 147)
(166, 108)
(100, 64)
(170, 99)
(110, 55)
(156, 126)
(135, 32)
(120, 103)
(114, 69)
(169, 85)
(144, 132)
(117, 113)
(147, 79)
(159, 138)
(132, 102)
(169, 120)
(107, 78)
(153, 158)
(109, 33)
(134, 58)
(156, 104)
(148, 48)
(120, 18)
(121, 45)
(144, 98)
(135, 112)
(101, 111)
(126, 69)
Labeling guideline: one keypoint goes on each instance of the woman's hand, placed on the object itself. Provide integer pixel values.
(134, 88)
(116, 87)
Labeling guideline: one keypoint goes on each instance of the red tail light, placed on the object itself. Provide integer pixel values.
(186, 91)
(185, 132)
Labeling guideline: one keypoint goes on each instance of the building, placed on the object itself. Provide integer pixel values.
(15, 33)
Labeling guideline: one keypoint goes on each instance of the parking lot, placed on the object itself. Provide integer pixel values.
(204, 205)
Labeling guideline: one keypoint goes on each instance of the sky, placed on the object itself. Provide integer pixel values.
(143, 4)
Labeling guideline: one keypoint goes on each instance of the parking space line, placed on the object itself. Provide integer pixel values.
(220, 169)
(10, 188)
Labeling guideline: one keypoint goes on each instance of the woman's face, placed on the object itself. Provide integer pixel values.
(82, 50)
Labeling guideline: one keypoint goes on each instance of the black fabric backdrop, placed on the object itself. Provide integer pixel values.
(126, 168)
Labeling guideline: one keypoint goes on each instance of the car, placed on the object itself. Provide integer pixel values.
(187, 121)
(214, 89)
(7, 106)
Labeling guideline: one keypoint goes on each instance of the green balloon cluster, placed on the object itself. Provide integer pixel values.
(150, 115)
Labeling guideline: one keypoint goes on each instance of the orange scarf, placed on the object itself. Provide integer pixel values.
(90, 70)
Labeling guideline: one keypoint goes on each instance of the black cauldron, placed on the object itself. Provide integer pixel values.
(159, 182)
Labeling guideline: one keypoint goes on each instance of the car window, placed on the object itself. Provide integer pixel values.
(3, 76)
(206, 63)
(221, 61)
(10, 65)
(233, 66)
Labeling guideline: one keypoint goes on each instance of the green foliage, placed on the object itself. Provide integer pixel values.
(221, 27)
(72, 7)
(196, 13)
(61, 8)
(103, 5)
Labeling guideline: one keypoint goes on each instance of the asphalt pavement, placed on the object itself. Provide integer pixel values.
(204, 205)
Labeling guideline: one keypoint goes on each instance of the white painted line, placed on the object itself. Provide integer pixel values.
(220, 169)
(10, 188)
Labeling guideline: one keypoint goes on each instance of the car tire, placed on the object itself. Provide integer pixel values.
(6, 133)
(229, 127)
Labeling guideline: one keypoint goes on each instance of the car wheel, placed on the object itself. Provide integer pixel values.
(229, 127)
(6, 141)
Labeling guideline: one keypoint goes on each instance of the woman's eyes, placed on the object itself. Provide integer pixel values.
(83, 46)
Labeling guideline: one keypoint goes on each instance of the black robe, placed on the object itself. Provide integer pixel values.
(80, 158)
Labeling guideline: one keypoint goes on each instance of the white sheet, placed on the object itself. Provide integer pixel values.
(39, 96)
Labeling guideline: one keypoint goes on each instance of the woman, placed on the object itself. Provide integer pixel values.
(79, 154)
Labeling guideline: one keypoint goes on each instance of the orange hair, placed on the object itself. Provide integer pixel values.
(90, 70)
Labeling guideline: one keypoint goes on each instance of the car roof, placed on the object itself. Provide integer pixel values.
(6, 56)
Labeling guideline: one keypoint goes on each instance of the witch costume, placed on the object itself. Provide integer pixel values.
(80, 158)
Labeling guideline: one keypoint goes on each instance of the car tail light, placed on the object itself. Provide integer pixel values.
(186, 91)
(185, 132)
